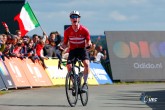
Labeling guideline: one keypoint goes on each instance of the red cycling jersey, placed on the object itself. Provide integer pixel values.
(76, 39)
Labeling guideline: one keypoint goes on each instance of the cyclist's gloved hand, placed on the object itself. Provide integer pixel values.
(88, 47)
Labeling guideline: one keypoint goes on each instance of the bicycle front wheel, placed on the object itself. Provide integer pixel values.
(84, 97)
(71, 89)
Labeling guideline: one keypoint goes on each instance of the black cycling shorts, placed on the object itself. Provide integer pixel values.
(80, 53)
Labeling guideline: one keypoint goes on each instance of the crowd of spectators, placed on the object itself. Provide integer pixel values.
(39, 48)
(97, 53)
(36, 47)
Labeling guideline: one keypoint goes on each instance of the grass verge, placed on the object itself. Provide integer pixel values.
(4, 92)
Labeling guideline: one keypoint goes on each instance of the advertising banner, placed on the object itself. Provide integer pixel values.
(2, 85)
(99, 73)
(91, 78)
(42, 75)
(57, 76)
(17, 73)
(137, 55)
(6, 76)
(35, 73)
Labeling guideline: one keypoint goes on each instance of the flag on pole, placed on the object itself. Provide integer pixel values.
(26, 19)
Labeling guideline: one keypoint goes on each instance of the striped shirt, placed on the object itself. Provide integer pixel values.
(76, 39)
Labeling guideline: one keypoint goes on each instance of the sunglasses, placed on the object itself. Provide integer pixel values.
(74, 16)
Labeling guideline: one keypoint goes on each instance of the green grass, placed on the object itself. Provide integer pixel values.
(5, 92)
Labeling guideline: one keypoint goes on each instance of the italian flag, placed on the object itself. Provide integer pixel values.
(26, 19)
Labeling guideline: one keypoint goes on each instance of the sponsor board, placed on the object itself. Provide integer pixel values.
(99, 73)
(57, 76)
(6, 76)
(136, 55)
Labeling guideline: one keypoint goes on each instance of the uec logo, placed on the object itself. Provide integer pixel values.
(141, 49)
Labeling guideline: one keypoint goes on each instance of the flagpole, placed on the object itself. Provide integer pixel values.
(37, 19)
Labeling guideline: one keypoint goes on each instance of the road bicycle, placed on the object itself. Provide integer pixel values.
(74, 83)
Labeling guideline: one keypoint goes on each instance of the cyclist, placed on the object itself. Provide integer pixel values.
(77, 37)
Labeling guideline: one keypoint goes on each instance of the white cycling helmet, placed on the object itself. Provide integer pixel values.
(75, 13)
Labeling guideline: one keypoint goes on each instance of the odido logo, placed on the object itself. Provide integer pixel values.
(141, 49)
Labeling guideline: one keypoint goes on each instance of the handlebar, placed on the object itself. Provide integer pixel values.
(73, 61)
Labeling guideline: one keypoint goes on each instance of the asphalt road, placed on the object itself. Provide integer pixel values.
(103, 97)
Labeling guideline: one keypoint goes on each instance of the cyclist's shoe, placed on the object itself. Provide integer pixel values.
(73, 91)
(84, 88)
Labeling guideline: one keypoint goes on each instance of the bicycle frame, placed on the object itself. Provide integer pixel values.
(74, 65)
(73, 85)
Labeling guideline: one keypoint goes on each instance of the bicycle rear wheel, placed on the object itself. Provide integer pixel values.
(71, 89)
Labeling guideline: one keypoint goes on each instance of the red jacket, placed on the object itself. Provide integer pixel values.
(39, 47)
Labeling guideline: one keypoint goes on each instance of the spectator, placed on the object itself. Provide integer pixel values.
(31, 51)
(12, 45)
(56, 38)
(7, 32)
(39, 52)
(2, 47)
(4, 37)
(17, 50)
(8, 46)
(18, 34)
(24, 43)
(26, 40)
(13, 48)
(100, 55)
(49, 49)
(92, 52)
(35, 39)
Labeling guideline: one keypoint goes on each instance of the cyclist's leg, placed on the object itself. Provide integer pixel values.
(86, 70)
(70, 57)
(69, 66)
(85, 60)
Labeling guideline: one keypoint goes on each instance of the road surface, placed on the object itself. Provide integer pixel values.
(102, 97)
